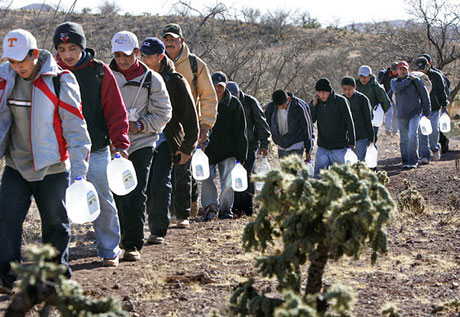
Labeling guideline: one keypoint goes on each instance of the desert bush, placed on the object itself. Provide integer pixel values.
(314, 220)
(410, 200)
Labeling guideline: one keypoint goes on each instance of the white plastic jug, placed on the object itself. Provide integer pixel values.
(121, 175)
(239, 178)
(425, 125)
(310, 169)
(378, 113)
(444, 122)
(262, 168)
(82, 202)
(200, 165)
(371, 156)
(350, 157)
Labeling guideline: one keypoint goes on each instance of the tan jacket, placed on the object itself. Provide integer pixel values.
(206, 101)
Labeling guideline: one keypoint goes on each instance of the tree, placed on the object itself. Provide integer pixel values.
(108, 7)
(315, 220)
(251, 15)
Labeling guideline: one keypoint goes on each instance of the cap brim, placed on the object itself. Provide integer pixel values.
(363, 74)
(127, 51)
(403, 67)
(221, 83)
(17, 56)
(174, 35)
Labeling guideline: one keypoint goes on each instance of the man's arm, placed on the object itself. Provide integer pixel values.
(382, 98)
(207, 97)
(397, 85)
(424, 96)
(367, 113)
(260, 123)
(241, 138)
(189, 117)
(348, 119)
(306, 124)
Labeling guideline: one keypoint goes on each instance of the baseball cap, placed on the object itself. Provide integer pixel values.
(124, 42)
(364, 71)
(394, 66)
(219, 78)
(172, 29)
(427, 56)
(421, 63)
(17, 43)
(403, 64)
(152, 46)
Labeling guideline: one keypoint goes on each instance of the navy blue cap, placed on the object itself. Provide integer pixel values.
(152, 46)
(233, 88)
(219, 78)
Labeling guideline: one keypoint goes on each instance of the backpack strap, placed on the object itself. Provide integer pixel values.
(100, 71)
(57, 85)
(194, 68)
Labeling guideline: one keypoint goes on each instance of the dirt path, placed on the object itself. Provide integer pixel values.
(195, 271)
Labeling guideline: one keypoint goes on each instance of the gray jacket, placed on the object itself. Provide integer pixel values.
(53, 138)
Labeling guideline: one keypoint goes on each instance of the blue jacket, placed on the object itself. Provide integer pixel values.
(411, 97)
(300, 126)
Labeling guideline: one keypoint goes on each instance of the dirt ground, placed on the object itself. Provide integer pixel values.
(195, 271)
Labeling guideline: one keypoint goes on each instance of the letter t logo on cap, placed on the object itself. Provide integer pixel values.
(12, 40)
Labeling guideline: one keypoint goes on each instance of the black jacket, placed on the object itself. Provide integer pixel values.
(228, 135)
(181, 132)
(384, 78)
(335, 123)
(257, 129)
(362, 116)
(300, 125)
(438, 95)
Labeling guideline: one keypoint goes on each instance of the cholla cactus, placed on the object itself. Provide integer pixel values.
(317, 219)
(410, 200)
(44, 282)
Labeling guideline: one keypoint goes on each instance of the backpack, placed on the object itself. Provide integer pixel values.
(194, 68)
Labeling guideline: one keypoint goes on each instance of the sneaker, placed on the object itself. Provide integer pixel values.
(209, 214)
(183, 223)
(111, 262)
(424, 161)
(412, 166)
(132, 255)
(436, 156)
(194, 209)
(225, 215)
(405, 166)
(6, 288)
(155, 239)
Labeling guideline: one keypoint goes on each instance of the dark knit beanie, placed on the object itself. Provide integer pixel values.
(348, 81)
(279, 97)
(323, 85)
(69, 32)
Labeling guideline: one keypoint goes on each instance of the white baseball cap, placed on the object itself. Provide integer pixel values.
(124, 42)
(17, 43)
(364, 71)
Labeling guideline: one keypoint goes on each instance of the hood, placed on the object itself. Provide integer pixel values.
(185, 53)
(48, 64)
(90, 54)
(167, 66)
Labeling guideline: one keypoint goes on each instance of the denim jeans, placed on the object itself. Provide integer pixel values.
(361, 148)
(283, 153)
(159, 191)
(107, 225)
(209, 189)
(430, 142)
(408, 140)
(15, 200)
(243, 200)
(391, 119)
(131, 207)
(325, 158)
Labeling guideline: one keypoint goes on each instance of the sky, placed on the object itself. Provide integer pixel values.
(327, 12)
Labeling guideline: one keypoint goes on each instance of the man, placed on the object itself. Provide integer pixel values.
(38, 137)
(196, 73)
(376, 94)
(258, 134)
(411, 100)
(384, 78)
(147, 102)
(438, 100)
(362, 116)
(105, 115)
(443, 140)
(227, 143)
(177, 141)
(336, 131)
(291, 124)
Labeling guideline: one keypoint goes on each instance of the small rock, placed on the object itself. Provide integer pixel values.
(178, 285)
(183, 298)
(455, 285)
(128, 306)
(116, 286)
(418, 257)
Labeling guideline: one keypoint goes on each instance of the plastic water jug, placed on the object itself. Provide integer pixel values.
(371, 156)
(262, 168)
(239, 178)
(378, 113)
(200, 165)
(350, 157)
(121, 176)
(444, 122)
(425, 125)
(82, 202)
(310, 169)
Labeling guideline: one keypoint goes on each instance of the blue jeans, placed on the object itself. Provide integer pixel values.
(283, 153)
(432, 139)
(107, 225)
(159, 191)
(209, 189)
(408, 140)
(361, 148)
(325, 158)
(391, 119)
(15, 200)
(243, 200)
